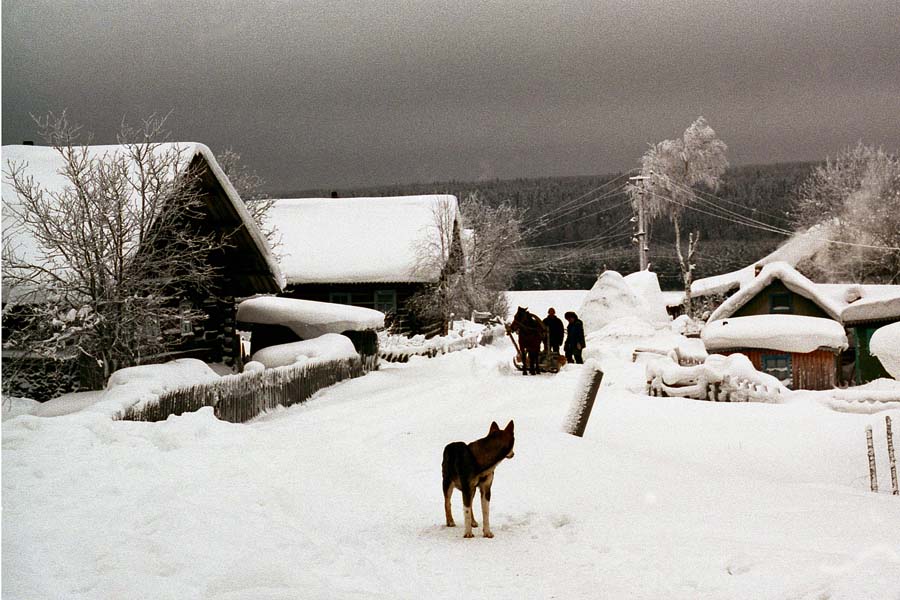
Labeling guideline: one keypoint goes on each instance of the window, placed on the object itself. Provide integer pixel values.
(778, 366)
(339, 297)
(386, 301)
(781, 303)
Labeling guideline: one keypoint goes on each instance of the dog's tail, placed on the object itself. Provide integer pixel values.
(451, 451)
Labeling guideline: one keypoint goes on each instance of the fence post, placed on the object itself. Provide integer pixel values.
(584, 404)
(891, 458)
(873, 477)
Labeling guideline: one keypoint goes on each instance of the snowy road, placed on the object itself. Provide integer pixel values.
(340, 498)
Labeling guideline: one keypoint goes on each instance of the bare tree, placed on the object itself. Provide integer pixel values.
(249, 186)
(857, 195)
(671, 171)
(114, 247)
(481, 269)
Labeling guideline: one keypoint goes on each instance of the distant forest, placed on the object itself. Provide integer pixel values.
(580, 226)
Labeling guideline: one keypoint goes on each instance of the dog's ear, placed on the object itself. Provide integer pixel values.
(510, 426)
(494, 427)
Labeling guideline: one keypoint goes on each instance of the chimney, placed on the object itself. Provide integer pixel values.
(28, 143)
(334, 194)
(756, 269)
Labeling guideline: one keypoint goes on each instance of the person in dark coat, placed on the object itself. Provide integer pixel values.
(555, 330)
(574, 338)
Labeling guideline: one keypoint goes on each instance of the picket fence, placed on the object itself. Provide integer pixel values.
(239, 398)
(482, 338)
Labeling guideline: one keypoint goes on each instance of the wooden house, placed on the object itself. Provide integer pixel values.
(368, 252)
(245, 266)
(801, 351)
(779, 289)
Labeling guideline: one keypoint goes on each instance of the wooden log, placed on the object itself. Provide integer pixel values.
(891, 457)
(873, 476)
(585, 404)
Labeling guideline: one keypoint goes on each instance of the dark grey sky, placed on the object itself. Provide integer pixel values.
(336, 94)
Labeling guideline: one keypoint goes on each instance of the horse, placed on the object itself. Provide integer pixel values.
(532, 334)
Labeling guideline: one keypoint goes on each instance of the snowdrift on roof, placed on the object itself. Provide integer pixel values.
(362, 240)
(787, 333)
(307, 318)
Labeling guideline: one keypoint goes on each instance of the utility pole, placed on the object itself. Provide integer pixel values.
(640, 237)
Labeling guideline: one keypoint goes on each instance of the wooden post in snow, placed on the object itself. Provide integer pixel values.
(873, 477)
(892, 459)
(584, 403)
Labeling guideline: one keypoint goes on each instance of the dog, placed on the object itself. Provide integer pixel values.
(467, 466)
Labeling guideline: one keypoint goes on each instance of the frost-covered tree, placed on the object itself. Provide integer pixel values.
(856, 197)
(672, 171)
(249, 186)
(491, 241)
(115, 247)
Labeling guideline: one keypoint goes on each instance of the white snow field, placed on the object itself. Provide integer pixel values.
(341, 497)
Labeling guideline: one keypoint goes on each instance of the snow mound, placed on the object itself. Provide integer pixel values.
(614, 297)
(138, 386)
(331, 346)
(14, 406)
(885, 344)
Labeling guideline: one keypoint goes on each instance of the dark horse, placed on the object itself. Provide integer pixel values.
(531, 334)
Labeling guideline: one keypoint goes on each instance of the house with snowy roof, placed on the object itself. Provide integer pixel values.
(245, 266)
(374, 252)
(815, 335)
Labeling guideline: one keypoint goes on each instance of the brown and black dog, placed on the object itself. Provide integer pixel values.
(467, 466)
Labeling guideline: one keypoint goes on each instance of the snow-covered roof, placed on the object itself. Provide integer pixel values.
(786, 333)
(792, 279)
(46, 166)
(845, 302)
(799, 247)
(307, 318)
(362, 240)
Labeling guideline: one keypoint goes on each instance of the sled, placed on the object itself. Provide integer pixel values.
(548, 361)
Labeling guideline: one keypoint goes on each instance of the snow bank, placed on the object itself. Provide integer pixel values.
(787, 333)
(331, 346)
(307, 318)
(13, 406)
(614, 297)
(141, 385)
(885, 344)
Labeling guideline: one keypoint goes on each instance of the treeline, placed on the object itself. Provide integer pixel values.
(579, 226)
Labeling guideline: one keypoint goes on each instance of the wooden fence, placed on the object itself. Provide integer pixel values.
(430, 350)
(239, 398)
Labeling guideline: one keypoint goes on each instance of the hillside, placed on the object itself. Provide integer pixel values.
(581, 225)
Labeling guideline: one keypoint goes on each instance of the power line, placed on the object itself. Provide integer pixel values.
(564, 205)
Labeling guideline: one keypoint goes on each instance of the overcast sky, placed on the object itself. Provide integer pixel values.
(332, 94)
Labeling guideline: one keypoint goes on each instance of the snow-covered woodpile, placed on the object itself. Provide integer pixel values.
(719, 379)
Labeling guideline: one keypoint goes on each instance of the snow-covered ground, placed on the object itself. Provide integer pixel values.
(340, 497)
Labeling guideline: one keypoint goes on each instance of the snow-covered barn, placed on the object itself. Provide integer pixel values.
(246, 265)
(779, 289)
(371, 252)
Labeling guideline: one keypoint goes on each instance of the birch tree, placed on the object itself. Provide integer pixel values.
(115, 247)
(672, 171)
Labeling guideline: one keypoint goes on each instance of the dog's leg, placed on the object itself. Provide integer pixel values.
(486, 508)
(448, 492)
(468, 494)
